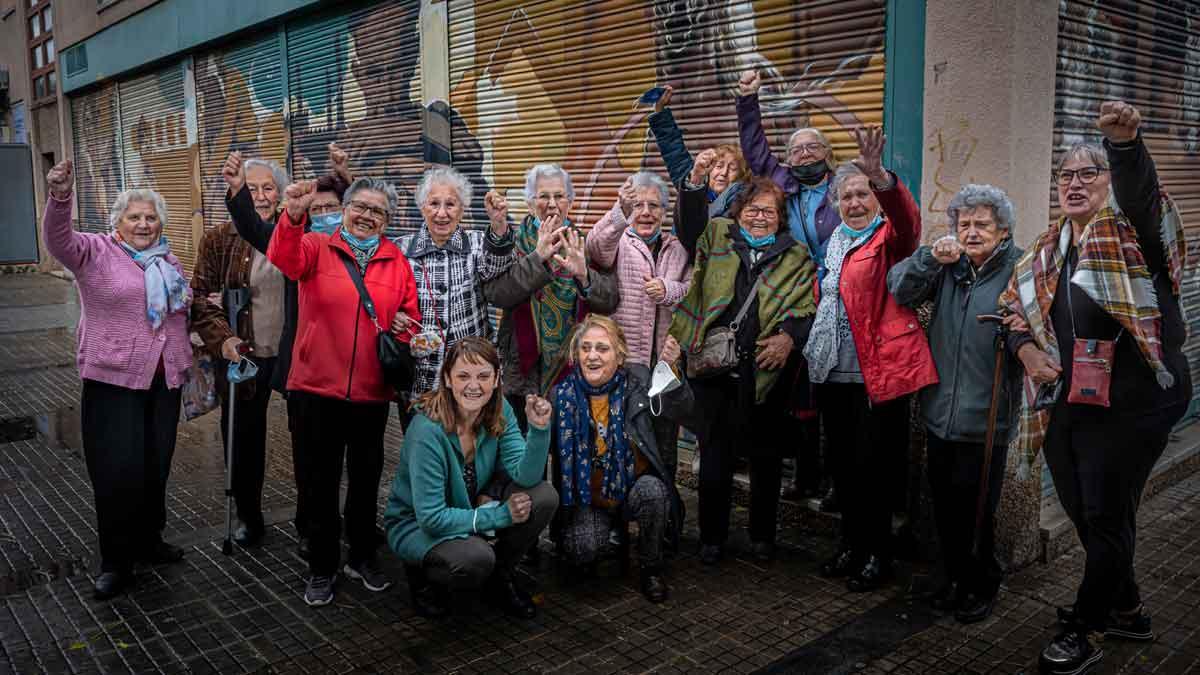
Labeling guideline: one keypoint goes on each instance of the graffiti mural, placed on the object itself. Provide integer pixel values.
(555, 81)
(97, 156)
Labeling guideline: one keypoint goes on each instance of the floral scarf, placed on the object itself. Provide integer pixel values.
(167, 292)
(577, 448)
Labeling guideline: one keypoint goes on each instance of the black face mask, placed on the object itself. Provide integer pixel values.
(810, 174)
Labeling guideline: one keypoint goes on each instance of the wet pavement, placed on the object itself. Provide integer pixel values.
(245, 613)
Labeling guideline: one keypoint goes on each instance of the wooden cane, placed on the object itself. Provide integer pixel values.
(993, 410)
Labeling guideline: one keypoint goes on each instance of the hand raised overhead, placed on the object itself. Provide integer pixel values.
(299, 197)
(1119, 121)
(61, 178)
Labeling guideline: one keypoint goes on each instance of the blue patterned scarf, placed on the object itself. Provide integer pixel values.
(167, 291)
(362, 249)
(576, 447)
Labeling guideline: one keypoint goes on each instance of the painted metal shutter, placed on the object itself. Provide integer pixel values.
(155, 149)
(239, 106)
(96, 142)
(354, 78)
(1145, 53)
(555, 81)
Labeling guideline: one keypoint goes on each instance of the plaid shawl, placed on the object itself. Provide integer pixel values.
(785, 293)
(1113, 273)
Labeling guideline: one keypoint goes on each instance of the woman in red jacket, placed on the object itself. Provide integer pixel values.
(867, 353)
(341, 396)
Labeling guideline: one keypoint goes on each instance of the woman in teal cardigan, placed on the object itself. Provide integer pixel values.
(464, 435)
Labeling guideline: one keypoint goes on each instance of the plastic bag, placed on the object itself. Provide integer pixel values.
(200, 390)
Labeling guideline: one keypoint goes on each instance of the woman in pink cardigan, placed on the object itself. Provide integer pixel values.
(652, 274)
(133, 357)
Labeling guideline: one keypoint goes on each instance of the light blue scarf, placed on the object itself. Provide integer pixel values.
(649, 241)
(167, 291)
(363, 249)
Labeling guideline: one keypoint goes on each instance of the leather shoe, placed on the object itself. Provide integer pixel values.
(509, 597)
(763, 551)
(654, 584)
(710, 554)
(874, 573)
(839, 565)
(111, 584)
(948, 598)
(975, 608)
(1072, 651)
(162, 553)
(245, 535)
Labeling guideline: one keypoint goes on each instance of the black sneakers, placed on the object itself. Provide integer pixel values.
(1134, 626)
(369, 574)
(1071, 652)
(319, 591)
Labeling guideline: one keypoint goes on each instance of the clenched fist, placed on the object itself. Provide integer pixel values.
(61, 178)
(1119, 121)
(299, 197)
(947, 250)
(233, 173)
(702, 166)
(497, 210)
(749, 83)
(537, 411)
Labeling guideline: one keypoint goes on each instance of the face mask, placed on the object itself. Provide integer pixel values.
(757, 242)
(360, 244)
(810, 174)
(662, 381)
(240, 371)
(649, 241)
(326, 223)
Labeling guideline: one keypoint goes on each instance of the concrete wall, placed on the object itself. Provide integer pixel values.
(13, 54)
(75, 20)
(989, 115)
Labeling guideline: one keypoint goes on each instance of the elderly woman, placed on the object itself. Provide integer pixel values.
(463, 434)
(451, 266)
(609, 466)
(753, 283)
(133, 357)
(720, 170)
(547, 288)
(652, 274)
(339, 386)
(226, 261)
(1099, 291)
(253, 207)
(866, 353)
(963, 275)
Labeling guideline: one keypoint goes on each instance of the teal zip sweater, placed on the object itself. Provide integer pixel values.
(429, 503)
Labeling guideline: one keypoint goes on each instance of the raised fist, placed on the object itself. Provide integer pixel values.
(497, 210)
(537, 411)
(60, 179)
(299, 197)
(1119, 121)
(702, 167)
(233, 173)
(749, 83)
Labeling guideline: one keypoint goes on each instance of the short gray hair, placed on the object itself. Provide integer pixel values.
(974, 195)
(1085, 150)
(829, 161)
(277, 173)
(374, 185)
(647, 179)
(538, 172)
(845, 171)
(145, 195)
(444, 175)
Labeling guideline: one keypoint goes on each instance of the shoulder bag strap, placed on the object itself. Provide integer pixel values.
(356, 277)
(737, 320)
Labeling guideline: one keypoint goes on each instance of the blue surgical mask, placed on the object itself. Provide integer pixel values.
(757, 242)
(325, 223)
(649, 241)
(360, 244)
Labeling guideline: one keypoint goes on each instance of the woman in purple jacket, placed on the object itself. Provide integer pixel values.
(133, 357)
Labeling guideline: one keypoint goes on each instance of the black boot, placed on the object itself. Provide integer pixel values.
(654, 583)
(111, 584)
(508, 597)
(428, 600)
(1073, 651)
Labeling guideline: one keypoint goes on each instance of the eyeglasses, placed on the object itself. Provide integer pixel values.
(322, 209)
(363, 208)
(764, 211)
(810, 148)
(545, 198)
(1087, 175)
(652, 207)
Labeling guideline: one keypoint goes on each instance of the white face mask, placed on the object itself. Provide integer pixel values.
(663, 380)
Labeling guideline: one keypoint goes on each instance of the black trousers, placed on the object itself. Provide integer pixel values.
(954, 470)
(249, 442)
(1100, 462)
(863, 439)
(732, 427)
(337, 430)
(128, 442)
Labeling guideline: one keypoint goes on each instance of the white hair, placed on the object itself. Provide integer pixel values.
(647, 179)
(145, 195)
(444, 175)
(277, 173)
(820, 139)
(374, 185)
(974, 195)
(845, 171)
(540, 171)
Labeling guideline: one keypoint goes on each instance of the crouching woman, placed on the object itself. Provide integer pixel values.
(463, 433)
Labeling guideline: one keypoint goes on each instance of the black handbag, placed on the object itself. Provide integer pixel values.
(395, 358)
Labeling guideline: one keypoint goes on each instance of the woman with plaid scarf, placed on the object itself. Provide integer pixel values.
(1101, 340)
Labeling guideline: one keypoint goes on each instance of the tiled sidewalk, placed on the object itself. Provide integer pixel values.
(245, 613)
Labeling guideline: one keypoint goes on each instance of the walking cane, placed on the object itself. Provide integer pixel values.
(985, 473)
(234, 299)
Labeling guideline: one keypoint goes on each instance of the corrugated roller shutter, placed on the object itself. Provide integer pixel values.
(555, 81)
(1145, 53)
(96, 142)
(155, 147)
(239, 106)
(354, 79)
